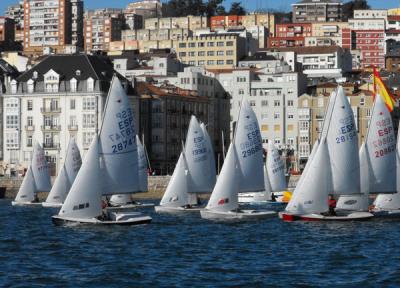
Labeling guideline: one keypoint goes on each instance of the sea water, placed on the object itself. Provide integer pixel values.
(191, 252)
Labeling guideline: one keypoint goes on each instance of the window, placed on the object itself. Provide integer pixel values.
(220, 62)
(12, 121)
(192, 44)
(264, 103)
(182, 54)
(192, 63)
(229, 43)
(210, 44)
(89, 103)
(229, 52)
(277, 115)
(29, 121)
(89, 120)
(290, 103)
(201, 63)
(72, 104)
(90, 85)
(29, 141)
(220, 53)
(210, 62)
(182, 45)
(220, 44)
(73, 84)
(277, 103)
(362, 101)
(72, 120)
(201, 53)
(88, 137)
(252, 103)
(200, 44)
(30, 86)
(192, 54)
(210, 53)
(264, 116)
(230, 62)
(30, 105)
(264, 127)
(241, 92)
(290, 116)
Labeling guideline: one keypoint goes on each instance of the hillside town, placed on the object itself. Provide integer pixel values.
(58, 60)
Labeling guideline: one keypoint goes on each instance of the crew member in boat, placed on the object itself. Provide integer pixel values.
(273, 197)
(332, 205)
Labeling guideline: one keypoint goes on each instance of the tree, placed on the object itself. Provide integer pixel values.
(176, 8)
(237, 9)
(349, 7)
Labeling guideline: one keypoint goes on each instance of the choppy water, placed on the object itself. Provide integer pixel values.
(191, 252)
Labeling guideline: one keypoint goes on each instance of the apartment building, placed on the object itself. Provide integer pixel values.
(266, 20)
(52, 102)
(102, 27)
(290, 35)
(273, 97)
(50, 23)
(145, 8)
(7, 31)
(188, 22)
(211, 50)
(318, 62)
(307, 11)
(165, 113)
(77, 23)
(16, 12)
(326, 34)
(311, 113)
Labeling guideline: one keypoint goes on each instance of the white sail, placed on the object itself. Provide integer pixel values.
(249, 149)
(84, 198)
(224, 197)
(176, 194)
(342, 143)
(120, 199)
(275, 169)
(311, 194)
(142, 166)
(212, 171)
(67, 174)
(267, 183)
(26, 192)
(310, 157)
(381, 150)
(198, 158)
(118, 150)
(391, 201)
(40, 169)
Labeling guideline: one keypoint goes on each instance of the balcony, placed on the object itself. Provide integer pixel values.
(29, 127)
(72, 127)
(50, 110)
(51, 146)
(50, 128)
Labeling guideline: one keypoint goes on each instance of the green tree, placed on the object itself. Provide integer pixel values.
(349, 7)
(237, 9)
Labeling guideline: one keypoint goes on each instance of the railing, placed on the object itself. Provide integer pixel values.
(72, 127)
(29, 127)
(51, 146)
(50, 127)
(50, 110)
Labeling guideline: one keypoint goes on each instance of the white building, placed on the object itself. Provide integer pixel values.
(51, 103)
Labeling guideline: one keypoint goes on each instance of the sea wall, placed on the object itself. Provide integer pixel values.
(157, 186)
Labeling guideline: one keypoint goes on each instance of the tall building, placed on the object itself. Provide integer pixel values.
(146, 8)
(102, 27)
(50, 23)
(16, 12)
(290, 35)
(53, 102)
(308, 11)
(7, 31)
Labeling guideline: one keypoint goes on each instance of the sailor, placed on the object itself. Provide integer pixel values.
(273, 197)
(332, 205)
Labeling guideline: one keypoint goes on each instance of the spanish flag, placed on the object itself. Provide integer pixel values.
(381, 89)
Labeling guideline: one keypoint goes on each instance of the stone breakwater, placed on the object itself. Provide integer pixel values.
(157, 186)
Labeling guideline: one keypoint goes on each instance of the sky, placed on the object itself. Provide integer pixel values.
(249, 4)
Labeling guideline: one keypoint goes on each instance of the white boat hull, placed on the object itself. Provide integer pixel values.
(176, 210)
(117, 219)
(395, 213)
(259, 198)
(128, 207)
(351, 216)
(35, 204)
(242, 215)
(51, 205)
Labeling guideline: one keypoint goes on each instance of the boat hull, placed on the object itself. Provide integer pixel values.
(351, 216)
(259, 198)
(33, 204)
(395, 213)
(242, 215)
(135, 220)
(176, 210)
(51, 205)
(129, 207)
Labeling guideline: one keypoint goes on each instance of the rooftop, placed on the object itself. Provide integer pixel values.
(309, 50)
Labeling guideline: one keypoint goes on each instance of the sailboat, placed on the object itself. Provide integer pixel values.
(121, 202)
(333, 168)
(274, 179)
(37, 179)
(377, 160)
(110, 167)
(242, 171)
(194, 173)
(66, 176)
